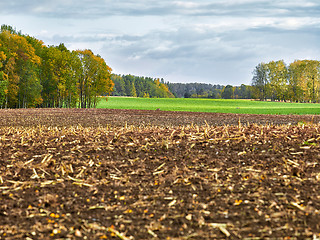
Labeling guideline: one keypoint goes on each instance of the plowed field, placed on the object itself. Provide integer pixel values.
(123, 174)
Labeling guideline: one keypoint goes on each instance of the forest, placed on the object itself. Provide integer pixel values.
(147, 87)
(297, 82)
(35, 75)
(129, 85)
(204, 90)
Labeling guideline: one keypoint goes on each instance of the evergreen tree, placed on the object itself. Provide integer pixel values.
(129, 85)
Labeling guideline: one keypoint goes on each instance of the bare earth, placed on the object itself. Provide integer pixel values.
(125, 174)
(115, 117)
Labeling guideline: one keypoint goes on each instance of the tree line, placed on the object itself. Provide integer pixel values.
(297, 82)
(134, 86)
(35, 75)
(129, 85)
(203, 90)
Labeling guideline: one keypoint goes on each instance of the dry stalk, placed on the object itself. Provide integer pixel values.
(222, 227)
(118, 234)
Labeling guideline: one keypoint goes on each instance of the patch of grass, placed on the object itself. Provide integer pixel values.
(210, 105)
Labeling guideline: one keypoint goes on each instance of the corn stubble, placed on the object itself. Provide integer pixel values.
(245, 181)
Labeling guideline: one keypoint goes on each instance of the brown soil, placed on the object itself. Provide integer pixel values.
(116, 117)
(123, 174)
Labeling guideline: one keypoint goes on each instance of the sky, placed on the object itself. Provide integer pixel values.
(205, 41)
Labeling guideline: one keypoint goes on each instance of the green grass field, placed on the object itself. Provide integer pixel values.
(210, 105)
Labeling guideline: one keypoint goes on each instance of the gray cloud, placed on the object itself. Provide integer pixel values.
(206, 41)
(103, 8)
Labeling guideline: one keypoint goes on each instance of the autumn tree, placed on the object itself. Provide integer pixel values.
(35, 75)
(312, 75)
(133, 91)
(3, 80)
(277, 75)
(94, 78)
(298, 82)
(58, 77)
(21, 65)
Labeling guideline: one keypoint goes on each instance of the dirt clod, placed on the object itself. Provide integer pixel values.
(121, 174)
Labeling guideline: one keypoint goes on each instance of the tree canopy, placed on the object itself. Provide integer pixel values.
(204, 90)
(35, 75)
(298, 82)
(129, 85)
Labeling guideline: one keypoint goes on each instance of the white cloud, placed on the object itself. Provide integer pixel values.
(297, 3)
(186, 4)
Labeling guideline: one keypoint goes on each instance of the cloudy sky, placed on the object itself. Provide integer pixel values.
(210, 41)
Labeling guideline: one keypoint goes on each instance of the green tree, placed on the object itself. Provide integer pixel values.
(129, 85)
(260, 81)
(227, 92)
(245, 92)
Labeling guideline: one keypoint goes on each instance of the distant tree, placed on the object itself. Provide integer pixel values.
(202, 90)
(260, 80)
(187, 94)
(133, 92)
(245, 92)
(313, 80)
(277, 78)
(304, 80)
(227, 92)
(298, 82)
(129, 85)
